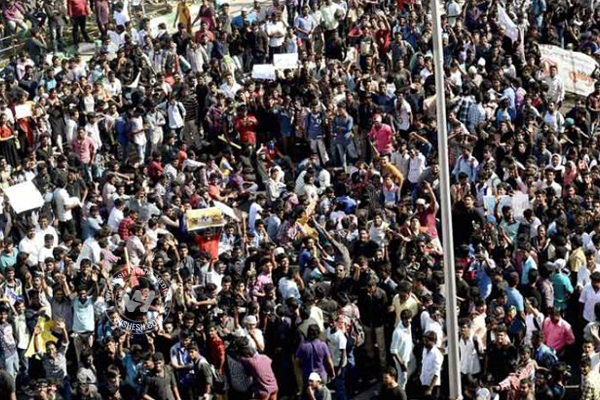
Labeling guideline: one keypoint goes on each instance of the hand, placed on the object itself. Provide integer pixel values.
(427, 392)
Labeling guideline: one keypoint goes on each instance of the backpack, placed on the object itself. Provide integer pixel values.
(357, 334)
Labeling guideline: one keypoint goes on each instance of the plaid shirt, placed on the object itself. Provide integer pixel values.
(590, 386)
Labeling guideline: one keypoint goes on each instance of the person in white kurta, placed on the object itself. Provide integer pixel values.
(402, 349)
(469, 350)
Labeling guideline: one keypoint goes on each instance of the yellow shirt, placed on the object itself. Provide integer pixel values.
(412, 304)
(577, 259)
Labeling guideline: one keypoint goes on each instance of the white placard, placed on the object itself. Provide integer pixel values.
(24, 197)
(520, 203)
(225, 209)
(22, 111)
(263, 71)
(285, 61)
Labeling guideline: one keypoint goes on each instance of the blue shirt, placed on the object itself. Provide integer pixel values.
(314, 125)
(342, 128)
(514, 298)
(527, 266)
(83, 316)
(484, 282)
(348, 202)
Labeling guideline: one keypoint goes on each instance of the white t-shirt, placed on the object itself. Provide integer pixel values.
(337, 343)
(274, 28)
(61, 197)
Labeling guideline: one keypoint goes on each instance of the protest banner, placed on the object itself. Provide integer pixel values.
(574, 68)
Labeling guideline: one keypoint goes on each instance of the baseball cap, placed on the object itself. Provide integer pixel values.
(421, 202)
(314, 377)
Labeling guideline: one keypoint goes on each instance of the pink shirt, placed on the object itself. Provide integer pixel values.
(557, 336)
(383, 138)
(84, 149)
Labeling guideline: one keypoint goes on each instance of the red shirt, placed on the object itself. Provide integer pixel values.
(209, 244)
(155, 170)
(78, 8)
(216, 352)
(125, 226)
(246, 127)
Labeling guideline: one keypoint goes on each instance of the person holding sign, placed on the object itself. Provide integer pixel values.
(8, 142)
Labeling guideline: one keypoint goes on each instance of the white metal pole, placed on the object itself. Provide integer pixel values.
(446, 207)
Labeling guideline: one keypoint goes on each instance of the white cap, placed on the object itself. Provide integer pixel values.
(315, 377)
(481, 62)
(250, 319)
(421, 202)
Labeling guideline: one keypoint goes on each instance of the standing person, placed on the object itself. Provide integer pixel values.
(469, 347)
(259, 368)
(160, 383)
(55, 360)
(78, 10)
(431, 369)
(85, 150)
(590, 380)
(202, 378)
(390, 388)
(314, 356)
(8, 345)
(83, 320)
(102, 16)
(373, 304)
(402, 349)
(56, 12)
(337, 341)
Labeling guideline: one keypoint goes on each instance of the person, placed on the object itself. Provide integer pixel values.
(316, 390)
(390, 389)
(160, 383)
(78, 10)
(308, 195)
(590, 384)
(430, 377)
(402, 349)
(314, 356)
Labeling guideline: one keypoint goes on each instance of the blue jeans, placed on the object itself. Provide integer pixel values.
(11, 364)
(340, 385)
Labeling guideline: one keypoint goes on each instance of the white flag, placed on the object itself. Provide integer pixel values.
(511, 28)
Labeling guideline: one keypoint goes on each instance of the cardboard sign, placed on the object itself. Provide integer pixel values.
(204, 218)
(22, 111)
(264, 72)
(24, 197)
(285, 61)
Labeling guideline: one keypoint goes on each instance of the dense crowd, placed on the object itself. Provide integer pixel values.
(210, 232)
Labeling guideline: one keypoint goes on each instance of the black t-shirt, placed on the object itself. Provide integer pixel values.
(160, 387)
(392, 394)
